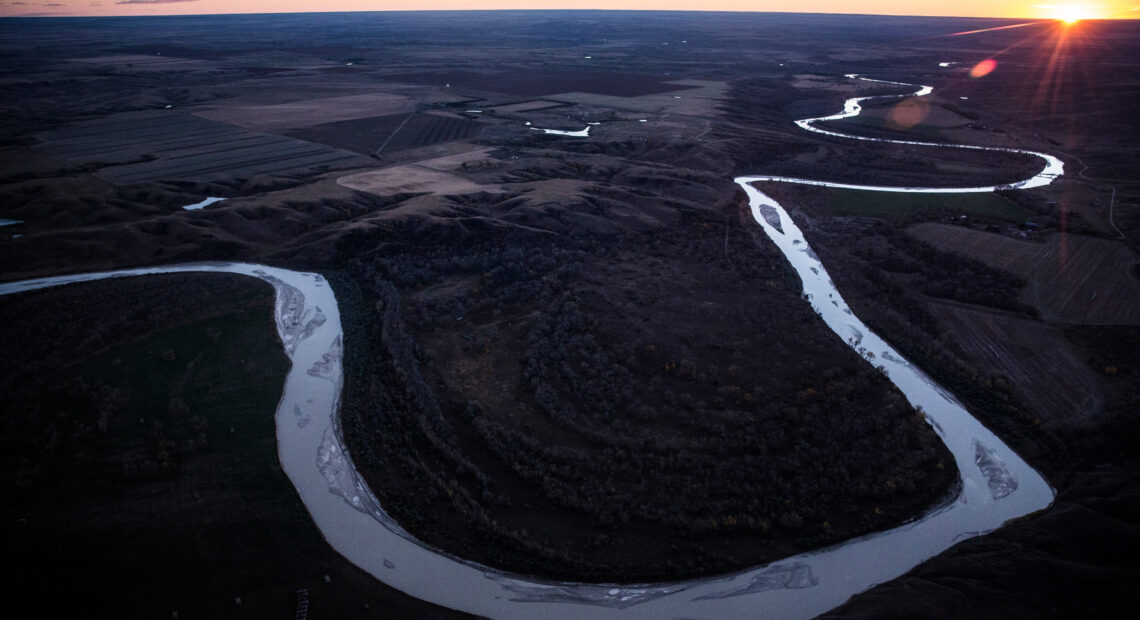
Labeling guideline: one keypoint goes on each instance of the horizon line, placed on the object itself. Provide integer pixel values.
(1131, 17)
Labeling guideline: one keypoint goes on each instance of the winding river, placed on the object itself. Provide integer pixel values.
(997, 485)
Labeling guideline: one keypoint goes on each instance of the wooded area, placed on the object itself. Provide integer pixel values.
(621, 407)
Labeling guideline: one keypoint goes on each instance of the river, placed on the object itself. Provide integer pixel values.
(997, 485)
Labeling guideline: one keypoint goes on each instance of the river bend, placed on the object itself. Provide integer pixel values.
(997, 485)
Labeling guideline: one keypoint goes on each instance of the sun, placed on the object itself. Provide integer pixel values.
(1072, 13)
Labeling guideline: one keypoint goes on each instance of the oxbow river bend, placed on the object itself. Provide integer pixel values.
(997, 485)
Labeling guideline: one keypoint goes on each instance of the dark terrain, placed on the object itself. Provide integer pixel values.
(143, 498)
(646, 439)
(578, 357)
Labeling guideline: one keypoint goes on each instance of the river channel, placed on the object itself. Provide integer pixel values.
(997, 485)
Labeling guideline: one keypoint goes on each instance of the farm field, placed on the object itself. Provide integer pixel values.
(888, 127)
(1072, 278)
(925, 119)
(412, 179)
(1031, 356)
(143, 62)
(846, 202)
(310, 112)
(692, 97)
(525, 106)
(393, 133)
(536, 84)
(148, 146)
(474, 158)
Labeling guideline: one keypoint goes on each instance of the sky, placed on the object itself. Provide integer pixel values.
(974, 8)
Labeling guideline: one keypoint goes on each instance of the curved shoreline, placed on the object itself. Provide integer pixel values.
(1054, 167)
(996, 484)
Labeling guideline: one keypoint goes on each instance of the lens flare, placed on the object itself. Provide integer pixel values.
(907, 113)
(959, 34)
(983, 68)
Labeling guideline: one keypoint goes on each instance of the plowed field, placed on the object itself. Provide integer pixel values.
(152, 146)
(1072, 278)
(1058, 387)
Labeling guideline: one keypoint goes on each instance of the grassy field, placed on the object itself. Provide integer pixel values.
(881, 126)
(889, 204)
(142, 478)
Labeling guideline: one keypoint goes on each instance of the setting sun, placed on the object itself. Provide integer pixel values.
(1073, 13)
(1070, 15)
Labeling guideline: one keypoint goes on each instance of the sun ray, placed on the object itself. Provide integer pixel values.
(958, 34)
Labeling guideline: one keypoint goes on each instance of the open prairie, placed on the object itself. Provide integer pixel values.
(411, 179)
